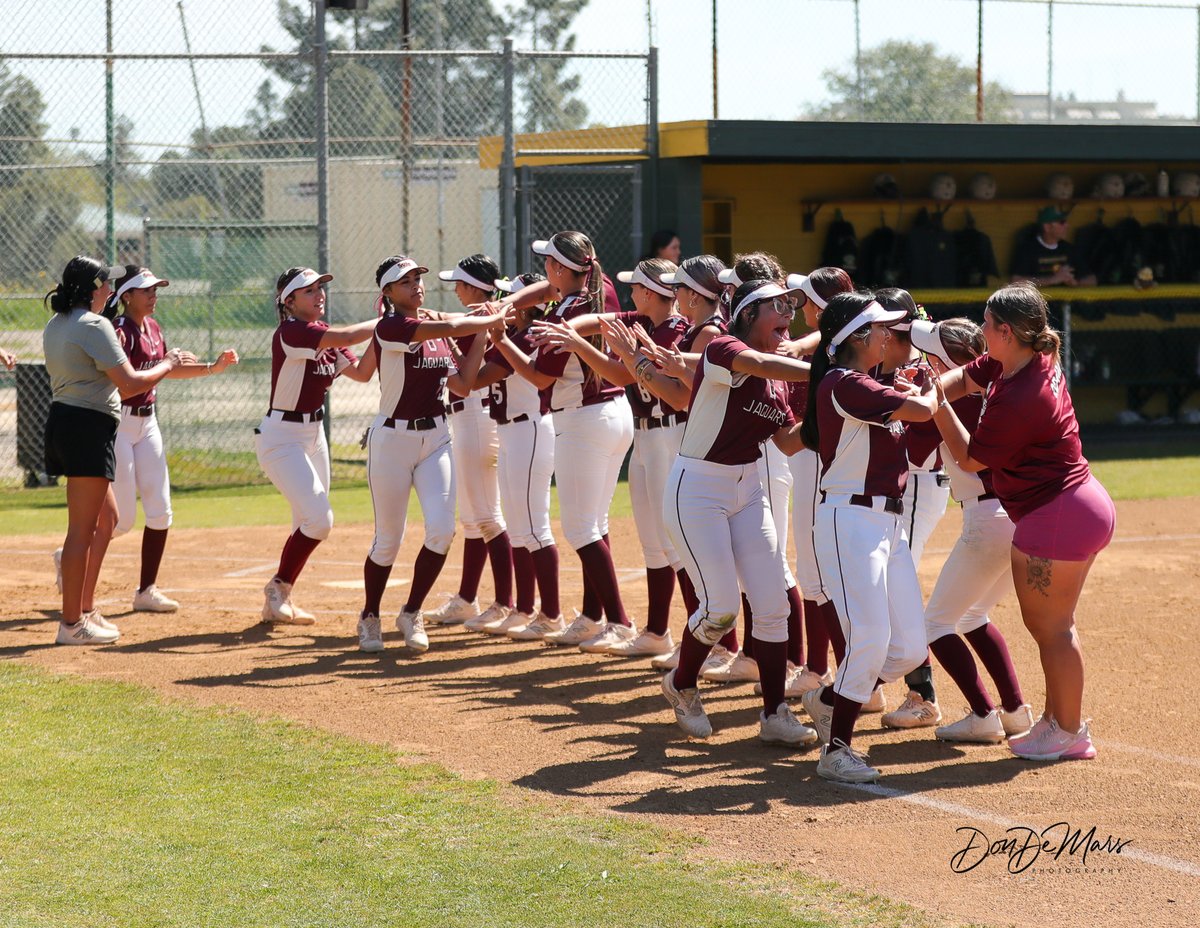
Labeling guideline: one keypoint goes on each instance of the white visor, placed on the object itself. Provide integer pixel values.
(115, 272)
(142, 281)
(802, 283)
(637, 277)
(729, 276)
(305, 278)
(510, 286)
(459, 274)
(871, 314)
(765, 292)
(927, 337)
(548, 249)
(396, 271)
(681, 278)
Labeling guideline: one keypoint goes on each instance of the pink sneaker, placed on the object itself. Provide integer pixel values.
(1052, 743)
(1035, 731)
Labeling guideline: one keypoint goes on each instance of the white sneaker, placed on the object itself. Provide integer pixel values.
(100, 621)
(513, 620)
(611, 634)
(370, 634)
(278, 605)
(454, 611)
(491, 616)
(538, 628)
(742, 669)
(717, 658)
(85, 631)
(152, 599)
(782, 727)
(974, 729)
(501, 619)
(57, 555)
(581, 630)
(843, 764)
(1018, 721)
(647, 643)
(413, 627)
(668, 661)
(689, 711)
(877, 702)
(914, 712)
(821, 714)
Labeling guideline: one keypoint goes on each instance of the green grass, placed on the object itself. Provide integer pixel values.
(119, 808)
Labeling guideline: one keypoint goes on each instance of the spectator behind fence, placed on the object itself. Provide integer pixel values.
(1047, 258)
(664, 244)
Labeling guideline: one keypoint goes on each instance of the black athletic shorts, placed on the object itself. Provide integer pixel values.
(80, 442)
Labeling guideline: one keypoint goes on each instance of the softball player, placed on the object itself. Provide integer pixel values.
(716, 512)
(408, 444)
(857, 426)
(1028, 437)
(474, 447)
(593, 431)
(141, 460)
(977, 574)
(306, 356)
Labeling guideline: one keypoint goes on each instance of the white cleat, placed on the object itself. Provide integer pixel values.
(718, 658)
(454, 611)
(57, 555)
(100, 621)
(877, 702)
(644, 645)
(370, 633)
(152, 599)
(973, 729)
(842, 764)
(581, 630)
(412, 626)
(538, 628)
(821, 714)
(742, 669)
(782, 727)
(278, 607)
(85, 632)
(668, 661)
(689, 711)
(1018, 721)
(612, 634)
(914, 712)
(490, 618)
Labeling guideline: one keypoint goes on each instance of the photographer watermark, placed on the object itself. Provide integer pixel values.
(1059, 846)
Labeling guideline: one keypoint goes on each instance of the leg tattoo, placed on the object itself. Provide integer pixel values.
(1037, 574)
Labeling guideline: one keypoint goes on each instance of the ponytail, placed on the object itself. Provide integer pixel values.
(594, 287)
(80, 279)
(810, 433)
(1022, 307)
(1047, 342)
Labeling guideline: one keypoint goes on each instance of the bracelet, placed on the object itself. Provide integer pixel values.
(644, 371)
(208, 368)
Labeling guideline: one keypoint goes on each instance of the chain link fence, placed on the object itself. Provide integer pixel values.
(204, 164)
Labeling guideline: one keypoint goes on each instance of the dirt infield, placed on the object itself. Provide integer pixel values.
(595, 731)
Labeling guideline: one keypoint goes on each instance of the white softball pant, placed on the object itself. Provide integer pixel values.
(476, 453)
(590, 443)
(399, 461)
(526, 464)
(976, 575)
(718, 519)
(141, 471)
(295, 456)
(805, 466)
(654, 451)
(870, 576)
(924, 506)
(776, 477)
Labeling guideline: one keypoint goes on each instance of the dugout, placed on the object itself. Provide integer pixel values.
(731, 185)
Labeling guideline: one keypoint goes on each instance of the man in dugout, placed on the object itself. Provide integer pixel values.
(1047, 258)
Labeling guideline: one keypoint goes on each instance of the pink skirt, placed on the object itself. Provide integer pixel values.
(1073, 526)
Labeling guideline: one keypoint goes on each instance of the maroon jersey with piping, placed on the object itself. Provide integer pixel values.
(862, 452)
(666, 334)
(575, 384)
(690, 336)
(514, 395)
(301, 371)
(412, 373)
(798, 393)
(145, 347)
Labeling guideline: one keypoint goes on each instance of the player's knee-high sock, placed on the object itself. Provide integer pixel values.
(296, 551)
(475, 555)
(660, 585)
(500, 553)
(375, 578)
(795, 626)
(545, 565)
(592, 607)
(845, 714)
(425, 573)
(955, 657)
(691, 602)
(818, 638)
(748, 618)
(920, 680)
(771, 657)
(692, 654)
(836, 637)
(154, 542)
(730, 642)
(992, 649)
(526, 580)
(598, 567)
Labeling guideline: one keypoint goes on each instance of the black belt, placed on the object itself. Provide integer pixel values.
(644, 423)
(943, 480)
(460, 405)
(140, 411)
(415, 425)
(893, 504)
(524, 417)
(978, 499)
(290, 415)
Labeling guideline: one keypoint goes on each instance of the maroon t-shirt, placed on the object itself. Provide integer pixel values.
(576, 384)
(412, 374)
(667, 334)
(145, 348)
(731, 414)
(1027, 433)
(514, 395)
(862, 451)
(301, 371)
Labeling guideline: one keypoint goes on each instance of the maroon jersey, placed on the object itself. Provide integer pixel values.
(412, 374)
(690, 336)
(922, 440)
(964, 484)
(301, 371)
(731, 415)
(144, 347)
(514, 395)
(798, 393)
(611, 303)
(1027, 433)
(667, 334)
(862, 452)
(576, 384)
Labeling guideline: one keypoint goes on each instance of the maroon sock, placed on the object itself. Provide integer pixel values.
(992, 649)
(425, 573)
(845, 714)
(818, 638)
(772, 672)
(747, 627)
(475, 554)
(828, 697)
(955, 657)
(692, 654)
(500, 553)
(795, 625)
(730, 642)
(660, 587)
(375, 578)
(691, 602)
(592, 607)
(526, 580)
(545, 565)
(296, 551)
(598, 567)
(834, 627)
(154, 542)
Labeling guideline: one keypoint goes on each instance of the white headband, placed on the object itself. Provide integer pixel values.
(306, 278)
(398, 270)
(765, 292)
(870, 314)
(140, 281)
(637, 277)
(549, 249)
(729, 276)
(803, 283)
(459, 274)
(682, 278)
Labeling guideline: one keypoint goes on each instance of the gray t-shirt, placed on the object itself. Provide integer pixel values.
(79, 347)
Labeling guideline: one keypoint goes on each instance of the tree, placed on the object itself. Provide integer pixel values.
(908, 82)
(550, 101)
